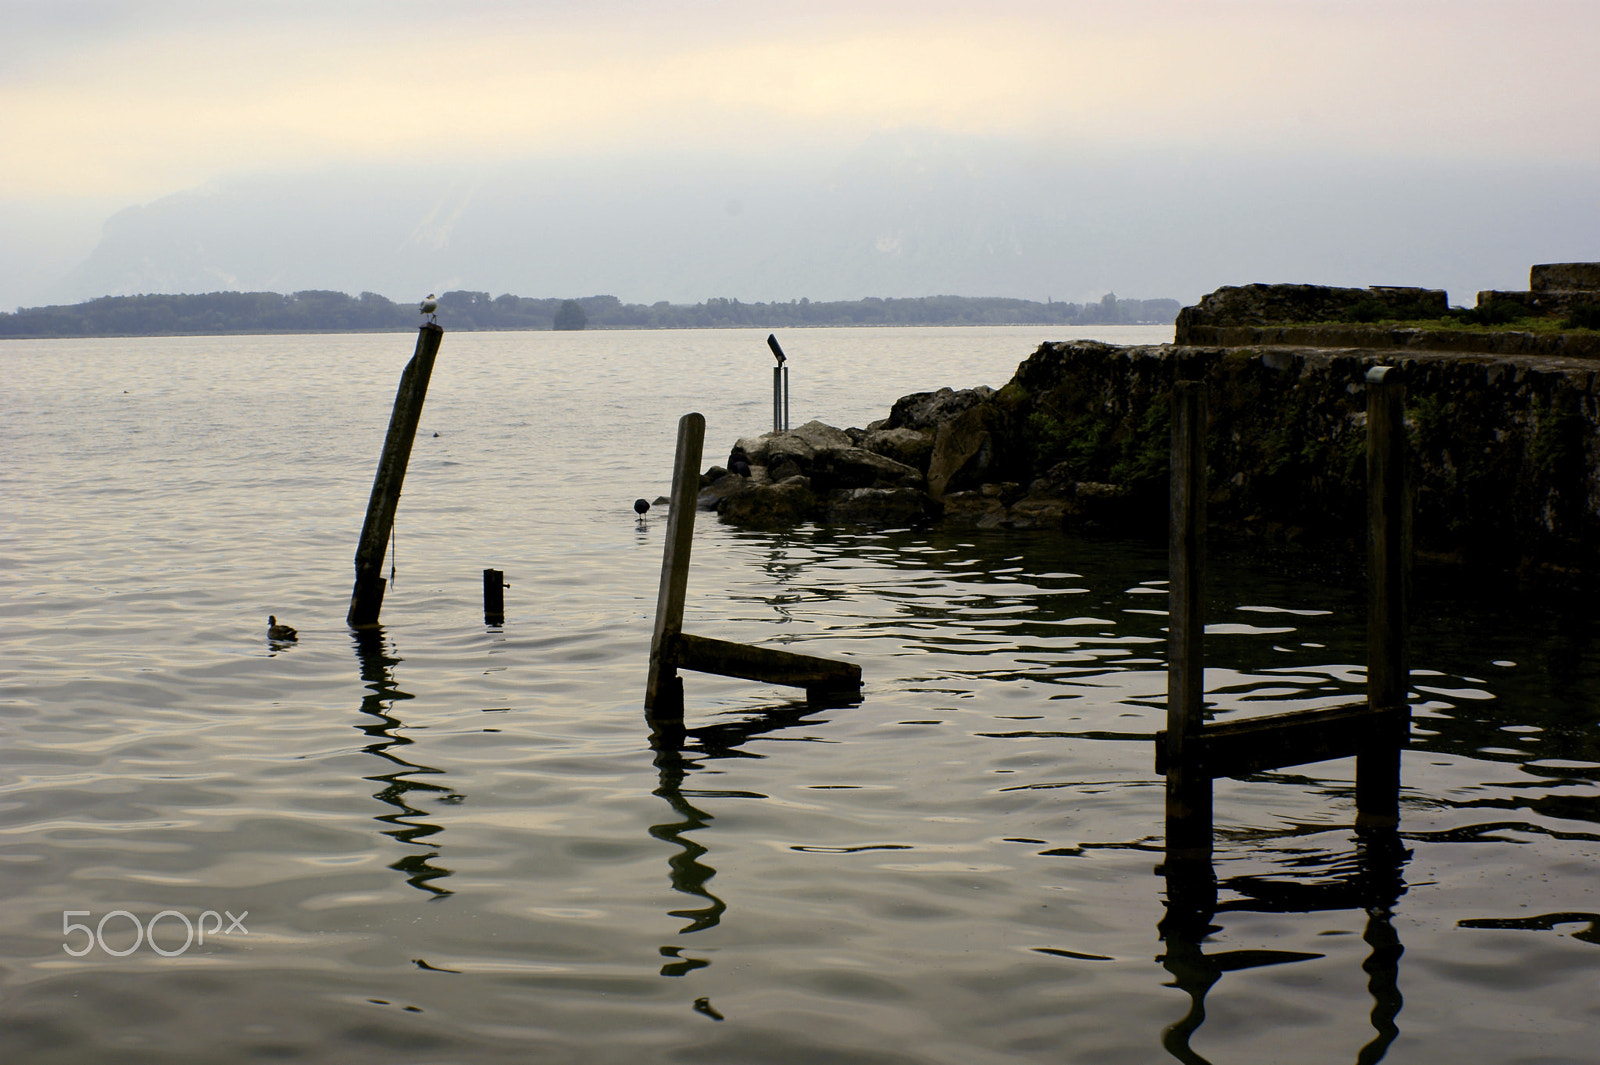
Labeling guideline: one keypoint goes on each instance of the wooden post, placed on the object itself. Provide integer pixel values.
(494, 597)
(1188, 779)
(1388, 566)
(366, 599)
(663, 693)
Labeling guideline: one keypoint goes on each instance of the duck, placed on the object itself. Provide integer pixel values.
(279, 632)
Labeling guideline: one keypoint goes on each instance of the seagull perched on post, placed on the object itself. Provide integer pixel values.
(430, 307)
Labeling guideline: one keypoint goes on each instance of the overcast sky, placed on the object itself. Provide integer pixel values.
(115, 104)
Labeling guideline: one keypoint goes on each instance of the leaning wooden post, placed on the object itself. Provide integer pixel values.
(1188, 779)
(663, 693)
(1388, 572)
(366, 599)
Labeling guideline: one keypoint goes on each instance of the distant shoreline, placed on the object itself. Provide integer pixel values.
(316, 312)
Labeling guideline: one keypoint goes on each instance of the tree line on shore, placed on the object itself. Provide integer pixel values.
(317, 311)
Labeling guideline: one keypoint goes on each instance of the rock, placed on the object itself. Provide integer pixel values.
(909, 446)
(1040, 512)
(1234, 305)
(1565, 277)
(928, 410)
(771, 506)
(973, 509)
(727, 486)
(900, 507)
(819, 436)
(963, 451)
(855, 467)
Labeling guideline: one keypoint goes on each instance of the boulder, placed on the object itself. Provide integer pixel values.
(928, 410)
(1040, 512)
(963, 451)
(900, 507)
(771, 506)
(906, 445)
(727, 486)
(820, 436)
(855, 467)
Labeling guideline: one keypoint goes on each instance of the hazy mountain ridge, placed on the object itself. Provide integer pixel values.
(901, 215)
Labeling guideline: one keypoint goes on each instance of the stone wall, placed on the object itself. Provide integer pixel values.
(1506, 449)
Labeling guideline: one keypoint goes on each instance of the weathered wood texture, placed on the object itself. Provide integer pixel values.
(1274, 741)
(366, 598)
(671, 649)
(494, 597)
(675, 556)
(727, 659)
(1388, 577)
(1188, 786)
(1191, 753)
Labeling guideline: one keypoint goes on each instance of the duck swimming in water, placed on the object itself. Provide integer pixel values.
(279, 632)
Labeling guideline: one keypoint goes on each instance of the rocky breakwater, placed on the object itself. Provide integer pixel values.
(956, 456)
(1505, 444)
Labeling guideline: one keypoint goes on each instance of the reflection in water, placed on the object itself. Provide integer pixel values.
(408, 827)
(679, 751)
(1369, 881)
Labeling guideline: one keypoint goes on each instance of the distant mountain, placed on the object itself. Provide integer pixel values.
(318, 311)
(901, 215)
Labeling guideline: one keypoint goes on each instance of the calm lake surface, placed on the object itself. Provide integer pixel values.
(456, 842)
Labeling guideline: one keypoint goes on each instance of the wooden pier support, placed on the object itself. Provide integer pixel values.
(494, 597)
(1188, 782)
(1388, 579)
(672, 649)
(366, 599)
(1190, 753)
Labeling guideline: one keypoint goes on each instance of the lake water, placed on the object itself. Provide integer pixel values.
(456, 842)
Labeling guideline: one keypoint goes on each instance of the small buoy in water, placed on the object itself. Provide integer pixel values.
(279, 632)
(640, 506)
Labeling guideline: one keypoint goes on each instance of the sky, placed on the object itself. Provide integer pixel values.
(129, 114)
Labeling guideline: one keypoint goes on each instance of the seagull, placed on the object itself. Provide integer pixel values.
(279, 632)
(430, 307)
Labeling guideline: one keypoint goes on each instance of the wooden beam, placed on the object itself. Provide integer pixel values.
(768, 664)
(366, 598)
(1273, 741)
(675, 567)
